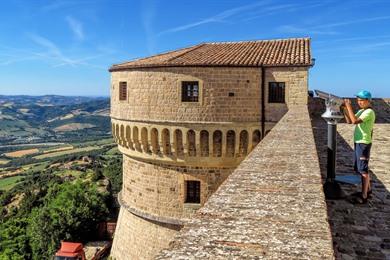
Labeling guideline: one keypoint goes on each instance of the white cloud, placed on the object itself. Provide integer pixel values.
(343, 23)
(328, 28)
(220, 17)
(54, 54)
(76, 27)
(301, 30)
(147, 15)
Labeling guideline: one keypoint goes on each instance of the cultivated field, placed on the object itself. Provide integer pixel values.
(3, 161)
(59, 149)
(83, 149)
(73, 127)
(22, 153)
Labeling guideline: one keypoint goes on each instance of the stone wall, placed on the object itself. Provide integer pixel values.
(296, 90)
(154, 94)
(159, 189)
(140, 238)
(271, 207)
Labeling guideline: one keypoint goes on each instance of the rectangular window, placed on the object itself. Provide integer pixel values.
(193, 192)
(189, 91)
(122, 90)
(276, 92)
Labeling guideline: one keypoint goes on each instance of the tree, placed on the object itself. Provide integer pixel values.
(97, 173)
(114, 173)
(13, 239)
(70, 212)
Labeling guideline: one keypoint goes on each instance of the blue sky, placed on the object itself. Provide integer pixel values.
(65, 47)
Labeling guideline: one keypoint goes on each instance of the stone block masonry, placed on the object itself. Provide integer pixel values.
(143, 236)
(154, 94)
(271, 207)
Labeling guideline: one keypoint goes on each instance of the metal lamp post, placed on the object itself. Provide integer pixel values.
(332, 115)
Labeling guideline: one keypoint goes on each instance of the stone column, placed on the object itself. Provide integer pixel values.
(237, 143)
(197, 143)
(172, 141)
(211, 147)
(224, 139)
(185, 141)
(250, 142)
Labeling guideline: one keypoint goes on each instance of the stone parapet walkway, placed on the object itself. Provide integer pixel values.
(359, 231)
(271, 207)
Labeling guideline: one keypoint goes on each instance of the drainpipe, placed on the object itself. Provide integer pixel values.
(263, 101)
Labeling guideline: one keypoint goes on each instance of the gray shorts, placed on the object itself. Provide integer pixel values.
(361, 157)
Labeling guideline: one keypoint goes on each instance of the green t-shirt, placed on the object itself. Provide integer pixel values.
(363, 131)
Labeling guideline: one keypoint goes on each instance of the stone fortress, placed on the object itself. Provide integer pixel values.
(185, 120)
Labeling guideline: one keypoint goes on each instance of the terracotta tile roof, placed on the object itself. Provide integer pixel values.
(281, 52)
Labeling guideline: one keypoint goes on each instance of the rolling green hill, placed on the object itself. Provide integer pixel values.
(30, 119)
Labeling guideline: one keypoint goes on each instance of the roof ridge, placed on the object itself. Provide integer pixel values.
(269, 52)
(195, 47)
(266, 40)
(156, 55)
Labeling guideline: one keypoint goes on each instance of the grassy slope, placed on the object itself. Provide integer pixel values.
(8, 183)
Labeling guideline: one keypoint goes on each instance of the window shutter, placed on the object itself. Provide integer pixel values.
(276, 92)
(193, 192)
(189, 91)
(122, 90)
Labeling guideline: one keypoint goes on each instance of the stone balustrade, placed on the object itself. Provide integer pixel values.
(205, 144)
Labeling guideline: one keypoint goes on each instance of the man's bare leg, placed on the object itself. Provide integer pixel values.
(365, 184)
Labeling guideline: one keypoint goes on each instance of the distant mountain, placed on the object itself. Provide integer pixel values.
(48, 118)
(48, 100)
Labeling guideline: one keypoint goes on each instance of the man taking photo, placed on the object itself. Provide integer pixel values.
(364, 121)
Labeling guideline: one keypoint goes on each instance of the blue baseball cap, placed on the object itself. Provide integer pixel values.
(364, 94)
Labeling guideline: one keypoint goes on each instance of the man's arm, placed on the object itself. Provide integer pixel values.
(345, 113)
(350, 114)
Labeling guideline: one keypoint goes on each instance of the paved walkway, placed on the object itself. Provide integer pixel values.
(360, 231)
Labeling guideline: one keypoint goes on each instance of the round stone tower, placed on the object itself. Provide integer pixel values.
(182, 130)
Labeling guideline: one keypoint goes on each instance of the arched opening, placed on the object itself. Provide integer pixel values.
(179, 143)
(243, 148)
(256, 138)
(144, 139)
(166, 142)
(230, 143)
(136, 139)
(217, 143)
(154, 140)
(204, 143)
(191, 143)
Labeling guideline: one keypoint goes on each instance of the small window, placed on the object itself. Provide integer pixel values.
(193, 192)
(276, 92)
(189, 91)
(122, 90)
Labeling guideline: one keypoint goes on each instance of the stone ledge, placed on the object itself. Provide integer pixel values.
(148, 216)
(272, 206)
